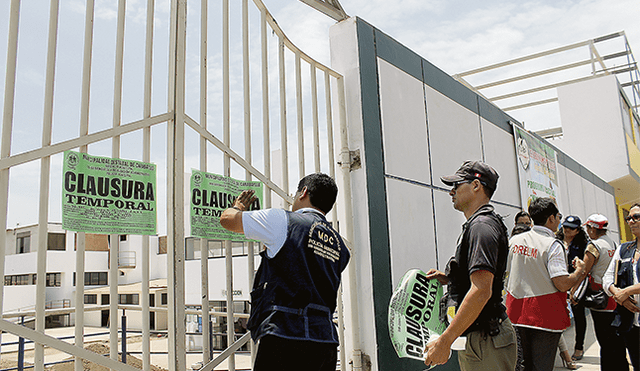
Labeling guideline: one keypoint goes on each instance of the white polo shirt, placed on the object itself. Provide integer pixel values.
(269, 226)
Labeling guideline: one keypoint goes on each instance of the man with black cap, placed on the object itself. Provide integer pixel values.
(475, 277)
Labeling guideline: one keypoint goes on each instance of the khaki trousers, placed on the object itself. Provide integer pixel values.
(491, 353)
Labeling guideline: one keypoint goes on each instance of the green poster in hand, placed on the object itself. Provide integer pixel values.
(211, 194)
(414, 314)
(108, 195)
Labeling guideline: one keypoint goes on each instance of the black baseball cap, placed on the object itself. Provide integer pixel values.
(572, 221)
(471, 170)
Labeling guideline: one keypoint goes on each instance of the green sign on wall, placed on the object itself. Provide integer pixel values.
(211, 194)
(108, 195)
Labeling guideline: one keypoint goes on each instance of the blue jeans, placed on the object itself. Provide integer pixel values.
(539, 348)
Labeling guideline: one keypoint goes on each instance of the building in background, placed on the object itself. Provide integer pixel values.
(20, 281)
(597, 99)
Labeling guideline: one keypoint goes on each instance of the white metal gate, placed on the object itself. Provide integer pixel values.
(233, 84)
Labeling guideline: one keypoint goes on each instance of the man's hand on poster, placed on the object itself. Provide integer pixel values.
(440, 276)
(231, 218)
(245, 199)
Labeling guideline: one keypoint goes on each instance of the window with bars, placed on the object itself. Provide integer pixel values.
(54, 279)
(56, 241)
(93, 278)
(133, 299)
(20, 279)
(90, 298)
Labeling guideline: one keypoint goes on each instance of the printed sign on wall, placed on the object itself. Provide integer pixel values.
(108, 195)
(211, 194)
(537, 168)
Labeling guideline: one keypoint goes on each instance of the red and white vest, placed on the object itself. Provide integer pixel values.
(607, 248)
(532, 298)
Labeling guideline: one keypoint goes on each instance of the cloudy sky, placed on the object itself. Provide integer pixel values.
(462, 35)
(458, 36)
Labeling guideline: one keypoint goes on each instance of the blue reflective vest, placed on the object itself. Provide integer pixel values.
(623, 320)
(294, 293)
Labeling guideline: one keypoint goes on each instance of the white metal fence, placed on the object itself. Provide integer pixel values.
(522, 85)
(154, 82)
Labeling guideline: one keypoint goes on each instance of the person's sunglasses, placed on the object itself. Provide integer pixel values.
(459, 183)
(634, 217)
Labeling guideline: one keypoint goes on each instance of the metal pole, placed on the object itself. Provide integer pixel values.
(175, 188)
(266, 131)
(283, 117)
(207, 353)
(210, 338)
(21, 349)
(247, 122)
(330, 138)
(7, 126)
(592, 57)
(84, 130)
(227, 172)
(45, 166)
(314, 112)
(301, 170)
(348, 212)
(114, 250)
(115, 153)
(47, 125)
(124, 337)
(246, 79)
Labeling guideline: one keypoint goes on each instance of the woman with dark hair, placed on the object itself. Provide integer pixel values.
(523, 223)
(622, 282)
(523, 217)
(575, 240)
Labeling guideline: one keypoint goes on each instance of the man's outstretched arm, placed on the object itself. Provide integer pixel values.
(231, 218)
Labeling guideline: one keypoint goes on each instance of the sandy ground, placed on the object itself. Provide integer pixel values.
(100, 345)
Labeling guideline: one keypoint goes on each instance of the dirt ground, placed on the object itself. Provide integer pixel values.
(7, 363)
(98, 347)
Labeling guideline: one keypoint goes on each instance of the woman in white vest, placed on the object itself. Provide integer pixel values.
(575, 240)
(597, 256)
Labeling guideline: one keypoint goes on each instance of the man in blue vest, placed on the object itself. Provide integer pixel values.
(295, 288)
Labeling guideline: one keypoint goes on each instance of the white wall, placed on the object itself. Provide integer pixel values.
(580, 197)
(157, 262)
(21, 297)
(217, 279)
(586, 108)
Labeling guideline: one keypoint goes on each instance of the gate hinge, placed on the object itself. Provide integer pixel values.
(353, 160)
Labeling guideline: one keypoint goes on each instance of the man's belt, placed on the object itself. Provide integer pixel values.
(489, 326)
